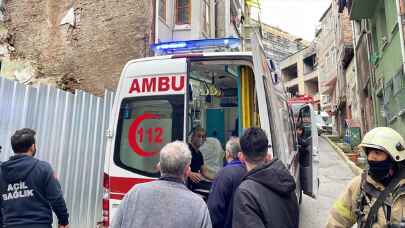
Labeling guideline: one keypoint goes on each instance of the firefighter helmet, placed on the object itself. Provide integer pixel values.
(386, 139)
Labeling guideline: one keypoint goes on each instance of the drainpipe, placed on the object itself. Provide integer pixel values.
(358, 97)
(227, 4)
(373, 81)
(401, 33)
(156, 22)
(216, 20)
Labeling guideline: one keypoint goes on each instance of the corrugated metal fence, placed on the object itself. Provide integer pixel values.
(70, 136)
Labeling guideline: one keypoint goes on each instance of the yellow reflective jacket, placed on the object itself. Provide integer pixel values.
(343, 213)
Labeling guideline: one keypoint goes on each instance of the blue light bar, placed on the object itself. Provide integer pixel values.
(195, 45)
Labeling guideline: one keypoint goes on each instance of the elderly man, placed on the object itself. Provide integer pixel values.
(224, 186)
(165, 202)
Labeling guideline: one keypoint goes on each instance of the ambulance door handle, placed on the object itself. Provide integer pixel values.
(109, 134)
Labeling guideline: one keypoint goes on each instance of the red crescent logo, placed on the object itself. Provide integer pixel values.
(132, 135)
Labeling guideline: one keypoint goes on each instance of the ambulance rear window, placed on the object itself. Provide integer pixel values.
(145, 125)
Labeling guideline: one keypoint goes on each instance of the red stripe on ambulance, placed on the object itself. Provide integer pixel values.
(124, 184)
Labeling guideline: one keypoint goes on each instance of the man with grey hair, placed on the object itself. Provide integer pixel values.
(232, 149)
(224, 186)
(165, 202)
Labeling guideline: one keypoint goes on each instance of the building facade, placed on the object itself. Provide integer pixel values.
(279, 44)
(299, 73)
(336, 63)
(185, 20)
(74, 44)
(345, 53)
(85, 44)
(229, 18)
(353, 100)
(379, 40)
(326, 52)
(364, 74)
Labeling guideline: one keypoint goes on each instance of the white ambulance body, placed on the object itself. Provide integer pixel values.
(160, 99)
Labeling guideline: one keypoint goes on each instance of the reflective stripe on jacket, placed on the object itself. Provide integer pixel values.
(343, 213)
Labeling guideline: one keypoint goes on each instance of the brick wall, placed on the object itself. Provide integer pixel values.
(88, 56)
(346, 28)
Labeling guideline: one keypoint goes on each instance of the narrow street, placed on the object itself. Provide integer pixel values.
(334, 176)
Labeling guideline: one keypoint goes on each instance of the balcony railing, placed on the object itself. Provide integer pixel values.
(291, 83)
(311, 75)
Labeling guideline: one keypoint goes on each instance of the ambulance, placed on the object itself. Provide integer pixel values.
(297, 101)
(161, 99)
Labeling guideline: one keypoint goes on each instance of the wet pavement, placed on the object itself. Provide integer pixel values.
(334, 176)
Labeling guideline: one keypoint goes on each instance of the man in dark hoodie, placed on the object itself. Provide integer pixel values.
(266, 196)
(28, 187)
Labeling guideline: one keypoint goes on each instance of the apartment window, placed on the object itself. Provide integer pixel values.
(206, 16)
(162, 9)
(183, 12)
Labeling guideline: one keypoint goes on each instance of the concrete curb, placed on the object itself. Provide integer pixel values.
(355, 169)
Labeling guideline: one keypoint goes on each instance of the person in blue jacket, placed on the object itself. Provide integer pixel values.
(28, 187)
(224, 186)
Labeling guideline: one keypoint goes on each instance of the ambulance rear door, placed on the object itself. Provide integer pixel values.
(275, 115)
(310, 157)
(149, 112)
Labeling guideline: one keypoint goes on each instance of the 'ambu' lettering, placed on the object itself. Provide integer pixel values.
(160, 84)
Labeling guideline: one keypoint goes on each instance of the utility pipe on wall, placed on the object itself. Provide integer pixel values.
(401, 32)
(156, 22)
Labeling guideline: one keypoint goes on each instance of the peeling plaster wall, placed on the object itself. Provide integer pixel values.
(18, 69)
(89, 55)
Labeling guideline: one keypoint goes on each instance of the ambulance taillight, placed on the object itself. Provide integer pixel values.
(106, 201)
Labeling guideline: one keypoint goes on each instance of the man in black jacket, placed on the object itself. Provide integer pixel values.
(266, 196)
(199, 172)
(224, 186)
(29, 189)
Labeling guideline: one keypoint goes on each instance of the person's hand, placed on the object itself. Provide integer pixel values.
(195, 177)
(157, 167)
(63, 226)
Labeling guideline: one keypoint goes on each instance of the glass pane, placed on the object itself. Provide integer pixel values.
(279, 116)
(183, 13)
(182, 3)
(145, 126)
(162, 9)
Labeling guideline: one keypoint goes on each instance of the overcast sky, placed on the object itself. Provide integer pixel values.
(298, 17)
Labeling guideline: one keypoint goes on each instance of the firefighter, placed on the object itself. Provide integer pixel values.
(376, 198)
